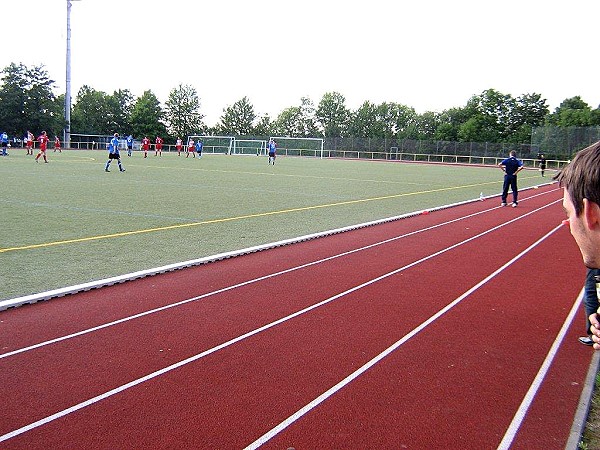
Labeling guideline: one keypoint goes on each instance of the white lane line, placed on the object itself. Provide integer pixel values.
(236, 286)
(198, 356)
(325, 395)
(519, 416)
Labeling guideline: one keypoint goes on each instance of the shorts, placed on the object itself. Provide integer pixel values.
(271, 154)
(114, 155)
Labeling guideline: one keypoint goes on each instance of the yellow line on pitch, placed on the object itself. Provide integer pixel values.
(229, 219)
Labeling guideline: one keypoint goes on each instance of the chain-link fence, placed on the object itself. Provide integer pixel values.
(563, 142)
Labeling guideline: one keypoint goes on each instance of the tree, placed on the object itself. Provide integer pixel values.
(572, 112)
(238, 119)
(182, 112)
(530, 110)
(120, 106)
(289, 122)
(363, 121)
(147, 115)
(91, 112)
(27, 101)
(264, 127)
(332, 114)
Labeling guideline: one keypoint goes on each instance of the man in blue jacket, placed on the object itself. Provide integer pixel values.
(511, 166)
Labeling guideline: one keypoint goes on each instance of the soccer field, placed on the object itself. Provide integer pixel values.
(69, 222)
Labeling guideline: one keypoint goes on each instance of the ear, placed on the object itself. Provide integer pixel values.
(591, 214)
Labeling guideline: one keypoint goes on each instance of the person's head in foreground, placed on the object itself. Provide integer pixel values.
(581, 201)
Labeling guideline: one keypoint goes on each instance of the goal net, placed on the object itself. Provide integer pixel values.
(299, 146)
(250, 147)
(214, 144)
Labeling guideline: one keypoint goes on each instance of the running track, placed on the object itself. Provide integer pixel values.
(455, 329)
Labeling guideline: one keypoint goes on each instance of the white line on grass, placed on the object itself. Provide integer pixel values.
(325, 395)
(226, 344)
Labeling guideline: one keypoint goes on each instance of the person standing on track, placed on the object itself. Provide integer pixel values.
(581, 201)
(511, 166)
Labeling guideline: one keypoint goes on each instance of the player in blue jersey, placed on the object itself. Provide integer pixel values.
(272, 148)
(129, 145)
(113, 153)
(511, 166)
(4, 139)
(199, 147)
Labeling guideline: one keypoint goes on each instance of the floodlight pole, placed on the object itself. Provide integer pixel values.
(67, 131)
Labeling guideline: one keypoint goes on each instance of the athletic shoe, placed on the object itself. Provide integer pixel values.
(503, 204)
(586, 340)
(122, 170)
(106, 170)
(514, 205)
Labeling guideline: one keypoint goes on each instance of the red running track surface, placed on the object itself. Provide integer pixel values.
(456, 329)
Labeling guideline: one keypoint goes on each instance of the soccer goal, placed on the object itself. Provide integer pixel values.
(250, 147)
(299, 146)
(215, 144)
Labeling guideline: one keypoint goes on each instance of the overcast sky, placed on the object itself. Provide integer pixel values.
(428, 54)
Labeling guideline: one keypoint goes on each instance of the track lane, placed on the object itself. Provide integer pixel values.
(321, 274)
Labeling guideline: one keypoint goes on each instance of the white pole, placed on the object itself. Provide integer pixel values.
(67, 136)
(67, 132)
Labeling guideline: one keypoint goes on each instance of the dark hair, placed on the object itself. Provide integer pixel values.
(581, 177)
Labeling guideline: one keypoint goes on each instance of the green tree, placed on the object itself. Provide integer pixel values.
(238, 119)
(146, 116)
(364, 121)
(91, 112)
(289, 122)
(297, 121)
(182, 112)
(333, 115)
(264, 126)
(572, 112)
(530, 110)
(451, 121)
(120, 106)
(27, 101)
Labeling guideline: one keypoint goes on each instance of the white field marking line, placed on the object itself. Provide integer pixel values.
(242, 284)
(235, 340)
(519, 416)
(334, 389)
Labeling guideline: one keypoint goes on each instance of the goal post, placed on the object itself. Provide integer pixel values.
(250, 147)
(297, 146)
(214, 144)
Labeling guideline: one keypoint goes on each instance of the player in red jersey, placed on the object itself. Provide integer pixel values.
(145, 146)
(43, 140)
(179, 146)
(29, 142)
(191, 149)
(57, 144)
(158, 146)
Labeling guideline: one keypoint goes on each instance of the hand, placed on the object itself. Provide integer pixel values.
(595, 330)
